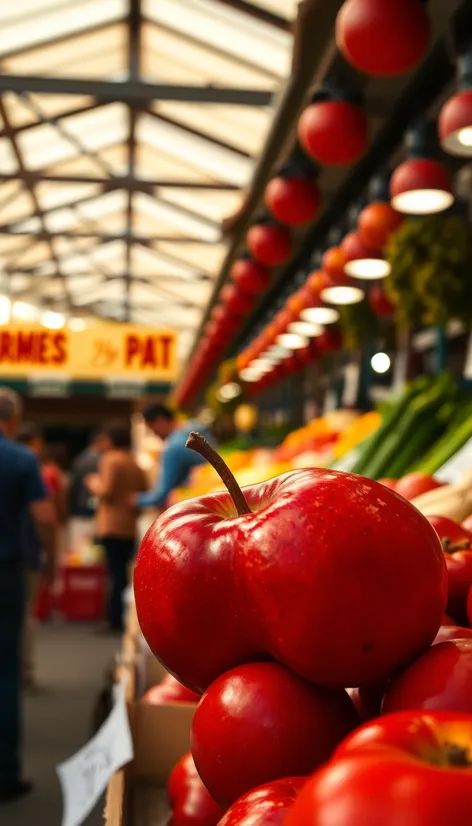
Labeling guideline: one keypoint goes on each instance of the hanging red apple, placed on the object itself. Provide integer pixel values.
(224, 318)
(251, 278)
(383, 37)
(293, 201)
(237, 302)
(334, 132)
(380, 302)
(376, 224)
(270, 244)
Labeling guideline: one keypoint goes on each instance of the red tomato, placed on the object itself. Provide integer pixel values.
(414, 484)
(406, 769)
(448, 529)
(439, 679)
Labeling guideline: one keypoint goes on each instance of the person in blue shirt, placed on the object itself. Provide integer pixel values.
(177, 460)
(21, 489)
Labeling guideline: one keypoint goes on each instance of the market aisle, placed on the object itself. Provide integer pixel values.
(72, 660)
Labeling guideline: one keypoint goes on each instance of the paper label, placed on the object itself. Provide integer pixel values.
(455, 468)
(85, 776)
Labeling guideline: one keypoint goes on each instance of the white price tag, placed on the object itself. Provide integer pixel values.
(85, 776)
(455, 468)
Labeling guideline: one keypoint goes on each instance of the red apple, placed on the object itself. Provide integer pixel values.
(190, 800)
(406, 769)
(447, 620)
(449, 530)
(265, 806)
(294, 569)
(452, 632)
(440, 679)
(459, 570)
(414, 484)
(260, 722)
(169, 690)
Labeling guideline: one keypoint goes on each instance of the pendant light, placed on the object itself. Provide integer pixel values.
(455, 119)
(421, 185)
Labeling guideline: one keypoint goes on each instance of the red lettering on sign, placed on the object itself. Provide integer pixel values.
(166, 344)
(149, 355)
(5, 345)
(25, 346)
(59, 355)
(132, 349)
(43, 348)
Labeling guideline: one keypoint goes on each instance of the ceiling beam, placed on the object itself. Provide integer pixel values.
(104, 238)
(65, 113)
(260, 14)
(123, 182)
(37, 211)
(132, 91)
(134, 73)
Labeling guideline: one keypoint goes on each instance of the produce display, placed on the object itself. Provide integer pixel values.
(308, 612)
(241, 584)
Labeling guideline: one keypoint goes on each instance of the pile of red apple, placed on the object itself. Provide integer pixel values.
(309, 613)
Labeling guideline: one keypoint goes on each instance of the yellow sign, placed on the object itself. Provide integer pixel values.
(105, 351)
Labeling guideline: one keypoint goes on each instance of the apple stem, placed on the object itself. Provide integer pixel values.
(457, 755)
(200, 445)
(451, 547)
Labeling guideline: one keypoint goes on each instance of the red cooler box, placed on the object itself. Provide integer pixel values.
(82, 592)
(45, 602)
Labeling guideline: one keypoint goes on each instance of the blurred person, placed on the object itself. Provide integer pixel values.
(119, 478)
(30, 435)
(177, 461)
(21, 489)
(81, 501)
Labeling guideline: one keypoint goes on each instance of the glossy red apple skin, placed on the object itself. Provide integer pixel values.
(414, 484)
(452, 632)
(169, 690)
(265, 806)
(259, 723)
(190, 800)
(459, 571)
(441, 679)
(297, 581)
(395, 771)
